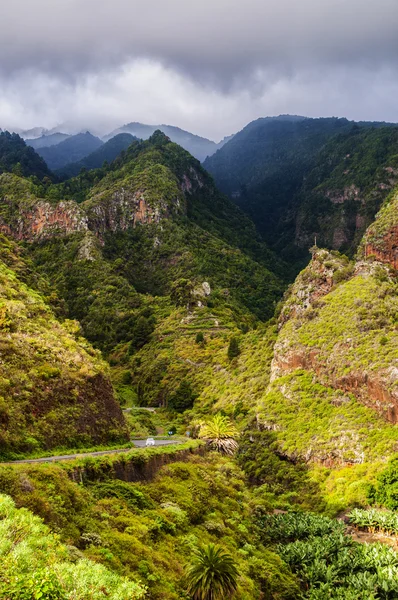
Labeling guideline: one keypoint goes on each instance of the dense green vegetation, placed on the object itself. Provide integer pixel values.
(173, 287)
(374, 520)
(153, 530)
(328, 563)
(17, 157)
(54, 387)
(303, 178)
(145, 294)
(385, 490)
(36, 565)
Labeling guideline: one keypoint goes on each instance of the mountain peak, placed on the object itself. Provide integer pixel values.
(158, 138)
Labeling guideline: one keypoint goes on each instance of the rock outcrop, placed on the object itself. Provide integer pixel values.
(381, 239)
(125, 205)
(338, 323)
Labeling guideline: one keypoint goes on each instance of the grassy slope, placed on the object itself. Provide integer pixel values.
(386, 220)
(54, 387)
(325, 424)
(353, 328)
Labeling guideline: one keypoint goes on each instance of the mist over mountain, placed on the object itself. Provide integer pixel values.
(105, 153)
(71, 149)
(196, 145)
(46, 140)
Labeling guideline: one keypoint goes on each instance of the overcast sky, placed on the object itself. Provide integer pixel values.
(209, 66)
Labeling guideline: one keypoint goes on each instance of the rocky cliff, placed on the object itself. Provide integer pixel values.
(381, 239)
(334, 374)
(127, 203)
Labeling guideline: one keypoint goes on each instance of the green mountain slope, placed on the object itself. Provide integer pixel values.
(54, 388)
(153, 243)
(305, 178)
(16, 156)
(334, 370)
(173, 284)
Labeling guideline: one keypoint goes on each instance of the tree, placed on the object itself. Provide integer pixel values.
(17, 170)
(212, 575)
(181, 292)
(200, 338)
(141, 334)
(219, 434)
(183, 398)
(233, 348)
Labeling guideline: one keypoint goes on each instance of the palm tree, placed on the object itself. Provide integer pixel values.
(212, 575)
(220, 433)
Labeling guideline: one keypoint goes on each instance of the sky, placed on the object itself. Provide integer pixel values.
(208, 66)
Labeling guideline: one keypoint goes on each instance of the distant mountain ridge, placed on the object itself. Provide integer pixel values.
(107, 152)
(70, 150)
(299, 178)
(47, 140)
(196, 145)
(57, 158)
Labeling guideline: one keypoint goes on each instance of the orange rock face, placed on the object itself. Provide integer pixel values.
(387, 250)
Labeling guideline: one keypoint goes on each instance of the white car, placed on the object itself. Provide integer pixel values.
(150, 442)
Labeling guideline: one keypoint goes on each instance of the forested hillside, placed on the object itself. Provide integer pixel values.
(151, 239)
(17, 157)
(301, 179)
(55, 388)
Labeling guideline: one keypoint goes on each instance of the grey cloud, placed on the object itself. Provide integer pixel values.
(146, 91)
(209, 66)
(215, 39)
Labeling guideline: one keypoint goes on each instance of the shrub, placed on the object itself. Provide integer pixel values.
(233, 348)
(200, 338)
(183, 398)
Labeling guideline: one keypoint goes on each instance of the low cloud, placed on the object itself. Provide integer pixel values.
(209, 67)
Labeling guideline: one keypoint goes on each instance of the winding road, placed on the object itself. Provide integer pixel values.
(137, 444)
